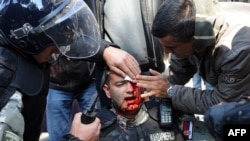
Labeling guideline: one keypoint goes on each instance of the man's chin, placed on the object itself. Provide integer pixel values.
(132, 108)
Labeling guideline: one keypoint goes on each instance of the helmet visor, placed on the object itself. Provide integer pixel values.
(75, 31)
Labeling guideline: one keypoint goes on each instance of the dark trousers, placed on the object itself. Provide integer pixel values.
(33, 111)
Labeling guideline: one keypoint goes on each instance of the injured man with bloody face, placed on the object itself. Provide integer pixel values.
(131, 118)
(125, 95)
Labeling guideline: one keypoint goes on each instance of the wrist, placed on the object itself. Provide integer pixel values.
(70, 137)
(105, 51)
(105, 45)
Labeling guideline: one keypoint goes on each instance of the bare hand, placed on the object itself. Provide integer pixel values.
(55, 69)
(156, 84)
(86, 132)
(121, 62)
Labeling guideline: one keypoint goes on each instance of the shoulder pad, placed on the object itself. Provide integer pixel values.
(8, 63)
(19, 73)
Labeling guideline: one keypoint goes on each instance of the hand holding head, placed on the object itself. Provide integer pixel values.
(121, 62)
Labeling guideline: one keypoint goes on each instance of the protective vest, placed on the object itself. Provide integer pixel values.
(19, 73)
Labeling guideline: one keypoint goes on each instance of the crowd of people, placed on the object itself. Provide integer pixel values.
(112, 62)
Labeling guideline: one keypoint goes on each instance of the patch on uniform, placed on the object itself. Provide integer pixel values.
(163, 136)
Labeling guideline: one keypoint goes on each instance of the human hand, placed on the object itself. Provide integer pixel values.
(55, 69)
(156, 84)
(86, 132)
(121, 62)
(56, 65)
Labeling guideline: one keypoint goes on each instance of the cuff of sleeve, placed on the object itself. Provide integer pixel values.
(170, 92)
(106, 44)
(70, 137)
(99, 56)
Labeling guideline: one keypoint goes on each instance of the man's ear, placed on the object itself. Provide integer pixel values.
(106, 90)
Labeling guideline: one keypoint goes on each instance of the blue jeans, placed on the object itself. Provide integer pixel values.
(197, 81)
(59, 109)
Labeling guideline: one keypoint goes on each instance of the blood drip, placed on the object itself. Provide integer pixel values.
(137, 91)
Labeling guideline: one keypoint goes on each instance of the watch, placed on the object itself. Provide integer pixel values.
(170, 92)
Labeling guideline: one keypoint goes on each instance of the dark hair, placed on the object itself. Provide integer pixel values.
(175, 18)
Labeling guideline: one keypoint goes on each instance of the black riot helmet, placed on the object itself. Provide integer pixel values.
(33, 25)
